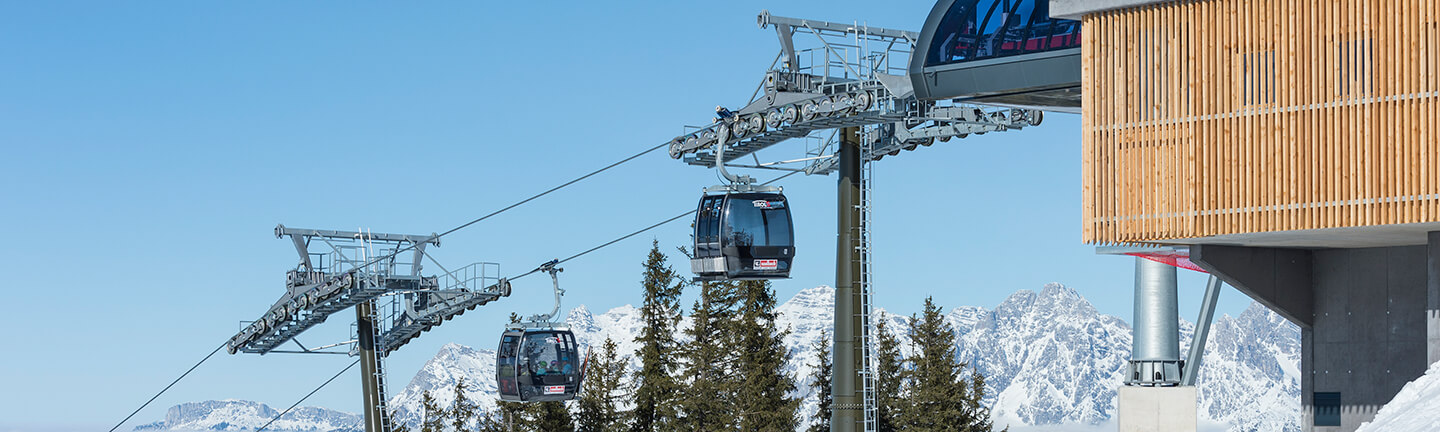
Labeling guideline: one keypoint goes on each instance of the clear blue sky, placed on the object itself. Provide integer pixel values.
(149, 148)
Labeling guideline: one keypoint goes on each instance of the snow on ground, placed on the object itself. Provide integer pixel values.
(1415, 409)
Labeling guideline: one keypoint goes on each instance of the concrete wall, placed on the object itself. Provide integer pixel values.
(1367, 333)
(1433, 305)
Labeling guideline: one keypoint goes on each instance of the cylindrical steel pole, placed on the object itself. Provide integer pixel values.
(370, 387)
(847, 408)
(1155, 359)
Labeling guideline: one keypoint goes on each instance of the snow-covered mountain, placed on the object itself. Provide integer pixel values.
(1250, 376)
(239, 415)
(1049, 358)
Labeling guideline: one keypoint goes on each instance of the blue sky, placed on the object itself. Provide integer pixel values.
(149, 149)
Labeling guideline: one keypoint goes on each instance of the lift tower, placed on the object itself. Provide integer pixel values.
(380, 275)
(846, 92)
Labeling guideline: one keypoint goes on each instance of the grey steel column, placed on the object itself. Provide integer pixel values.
(847, 412)
(365, 329)
(1156, 356)
(1202, 332)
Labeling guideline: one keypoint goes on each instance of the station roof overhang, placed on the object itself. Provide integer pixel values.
(1076, 9)
(1330, 238)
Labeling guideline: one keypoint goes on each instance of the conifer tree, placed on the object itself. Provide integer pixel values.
(889, 375)
(655, 388)
(432, 417)
(821, 383)
(600, 396)
(552, 417)
(492, 421)
(462, 410)
(513, 416)
(708, 402)
(939, 396)
(763, 397)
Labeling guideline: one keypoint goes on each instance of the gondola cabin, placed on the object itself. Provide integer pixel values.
(743, 236)
(538, 365)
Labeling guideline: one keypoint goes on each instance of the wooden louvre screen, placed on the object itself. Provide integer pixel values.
(1218, 117)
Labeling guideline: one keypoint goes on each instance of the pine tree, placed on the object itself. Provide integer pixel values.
(763, 395)
(513, 416)
(708, 402)
(600, 396)
(889, 375)
(821, 383)
(552, 417)
(655, 388)
(462, 410)
(491, 421)
(432, 417)
(939, 397)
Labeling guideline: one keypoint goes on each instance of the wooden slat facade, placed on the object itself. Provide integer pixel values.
(1215, 117)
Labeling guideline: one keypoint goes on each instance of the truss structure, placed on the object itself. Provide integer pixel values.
(850, 75)
(346, 268)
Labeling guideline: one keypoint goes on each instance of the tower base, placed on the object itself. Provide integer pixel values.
(1155, 409)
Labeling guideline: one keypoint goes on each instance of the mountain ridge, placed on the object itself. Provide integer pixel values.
(1050, 359)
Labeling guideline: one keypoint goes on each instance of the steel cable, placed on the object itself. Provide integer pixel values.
(437, 236)
(307, 396)
(397, 252)
(172, 384)
(617, 240)
(412, 245)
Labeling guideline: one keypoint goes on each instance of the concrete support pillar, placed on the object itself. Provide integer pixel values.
(1157, 409)
(847, 410)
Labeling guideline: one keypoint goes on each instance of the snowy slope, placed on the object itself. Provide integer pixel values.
(239, 415)
(1415, 409)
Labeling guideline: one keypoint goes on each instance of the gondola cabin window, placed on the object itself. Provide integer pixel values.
(761, 223)
(549, 354)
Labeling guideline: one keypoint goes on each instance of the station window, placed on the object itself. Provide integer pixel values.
(1259, 86)
(980, 29)
(1356, 58)
(1327, 409)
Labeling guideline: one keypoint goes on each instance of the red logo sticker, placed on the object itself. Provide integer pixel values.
(766, 264)
(550, 390)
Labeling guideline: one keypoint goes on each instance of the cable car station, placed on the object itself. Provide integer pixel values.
(1287, 149)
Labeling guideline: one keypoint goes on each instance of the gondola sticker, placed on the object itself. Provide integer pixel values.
(767, 204)
(766, 264)
(550, 390)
